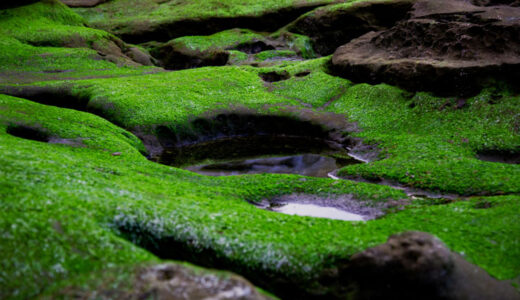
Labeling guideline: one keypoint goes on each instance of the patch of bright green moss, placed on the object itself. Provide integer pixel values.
(95, 194)
(275, 54)
(219, 41)
(54, 45)
(122, 15)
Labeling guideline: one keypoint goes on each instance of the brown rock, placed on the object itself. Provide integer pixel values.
(175, 56)
(447, 46)
(139, 56)
(172, 282)
(416, 265)
(331, 27)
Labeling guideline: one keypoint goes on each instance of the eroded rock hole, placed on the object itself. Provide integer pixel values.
(254, 47)
(60, 97)
(500, 156)
(274, 76)
(233, 144)
(29, 133)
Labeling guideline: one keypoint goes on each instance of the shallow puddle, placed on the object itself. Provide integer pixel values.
(307, 164)
(259, 154)
(311, 210)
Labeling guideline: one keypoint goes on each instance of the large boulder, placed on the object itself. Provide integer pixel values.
(332, 26)
(446, 46)
(416, 265)
(170, 281)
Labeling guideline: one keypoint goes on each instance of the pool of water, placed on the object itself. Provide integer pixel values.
(311, 210)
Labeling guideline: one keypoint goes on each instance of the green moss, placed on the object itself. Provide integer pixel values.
(66, 205)
(55, 45)
(429, 143)
(274, 54)
(219, 41)
(123, 15)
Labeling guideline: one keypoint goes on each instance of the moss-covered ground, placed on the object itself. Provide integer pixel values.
(71, 208)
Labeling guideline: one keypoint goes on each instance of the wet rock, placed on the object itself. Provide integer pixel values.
(83, 3)
(174, 282)
(416, 265)
(140, 56)
(449, 47)
(332, 27)
(174, 56)
(253, 47)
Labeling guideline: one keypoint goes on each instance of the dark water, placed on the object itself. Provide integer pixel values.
(259, 154)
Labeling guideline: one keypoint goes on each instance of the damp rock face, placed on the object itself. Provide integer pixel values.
(176, 57)
(176, 282)
(417, 265)
(449, 47)
(331, 28)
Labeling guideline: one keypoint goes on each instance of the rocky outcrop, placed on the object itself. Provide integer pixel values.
(171, 281)
(449, 47)
(83, 3)
(176, 57)
(333, 26)
(416, 265)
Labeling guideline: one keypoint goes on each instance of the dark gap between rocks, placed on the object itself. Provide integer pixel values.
(274, 76)
(500, 156)
(268, 22)
(28, 132)
(253, 47)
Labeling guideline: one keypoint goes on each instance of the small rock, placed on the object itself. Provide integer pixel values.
(116, 154)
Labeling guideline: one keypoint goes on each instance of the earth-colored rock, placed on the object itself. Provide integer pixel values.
(333, 26)
(175, 57)
(449, 47)
(83, 3)
(170, 281)
(417, 265)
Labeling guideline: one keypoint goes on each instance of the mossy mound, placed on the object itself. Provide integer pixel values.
(80, 198)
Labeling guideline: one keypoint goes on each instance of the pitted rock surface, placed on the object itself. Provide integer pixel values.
(449, 47)
(173, 282)
(331, 28)
(417, 265)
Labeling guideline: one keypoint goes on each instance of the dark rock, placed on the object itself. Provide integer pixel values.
(175, 56)
(416, 265)
(172, 282)
(330, 28)
(140, 56)
(138, 32)
(83, 3)
(253, 47)
(449, 47)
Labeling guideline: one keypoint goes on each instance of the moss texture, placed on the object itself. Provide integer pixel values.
(83, 201)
